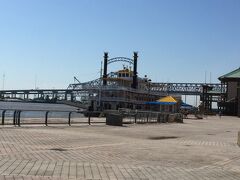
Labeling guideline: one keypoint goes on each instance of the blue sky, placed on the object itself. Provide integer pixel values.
(51, 41)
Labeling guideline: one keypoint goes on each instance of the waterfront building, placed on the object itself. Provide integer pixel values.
(230, 101)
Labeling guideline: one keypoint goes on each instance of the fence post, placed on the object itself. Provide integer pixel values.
(14, 117)
(19, 118)
(147, 116)
(3, 117)
(46, 118)
(89, 118)
(69, 118)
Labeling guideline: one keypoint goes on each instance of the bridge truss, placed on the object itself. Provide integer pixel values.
(83, 92)
(95, 85)
(156, 87)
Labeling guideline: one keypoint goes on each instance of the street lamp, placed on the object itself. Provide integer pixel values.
(149, 87)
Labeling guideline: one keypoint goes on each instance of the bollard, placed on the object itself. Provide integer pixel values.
(135, 118)
(14, 117)
(19, 118)
(69, 118)
(89, 118)
(46, 118)
(3, 117)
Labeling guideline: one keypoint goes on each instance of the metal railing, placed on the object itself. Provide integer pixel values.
(150, 117)
(16, 117)
(138, 117)
(129, 116)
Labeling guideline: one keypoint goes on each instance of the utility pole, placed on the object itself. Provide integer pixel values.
(210, 77)
(3, 81)
(35, 82)
(100, 88)
(205, 77)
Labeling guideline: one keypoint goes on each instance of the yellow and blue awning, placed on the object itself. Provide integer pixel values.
(168, 100)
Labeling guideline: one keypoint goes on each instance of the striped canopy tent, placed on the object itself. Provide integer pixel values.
(168, 100)
(165, 104)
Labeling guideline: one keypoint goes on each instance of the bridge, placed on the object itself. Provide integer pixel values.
(90, 87)
(83, 93)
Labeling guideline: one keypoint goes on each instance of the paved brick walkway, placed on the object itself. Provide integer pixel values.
(197, 149)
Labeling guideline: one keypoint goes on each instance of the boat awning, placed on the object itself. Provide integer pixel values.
(186, 106)
(160, 103)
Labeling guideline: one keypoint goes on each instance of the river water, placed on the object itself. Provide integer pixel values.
(36, 110)
(35, 106)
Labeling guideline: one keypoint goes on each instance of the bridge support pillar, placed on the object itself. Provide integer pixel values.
(25, 96)
(72, 97)
(207, 99)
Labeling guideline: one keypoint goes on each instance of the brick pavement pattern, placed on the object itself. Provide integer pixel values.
(197, 149)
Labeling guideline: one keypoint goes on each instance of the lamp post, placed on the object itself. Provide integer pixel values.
(149, 87)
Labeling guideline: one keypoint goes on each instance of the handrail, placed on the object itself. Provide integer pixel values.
(34, 110)
(17, 115)
(138, 115)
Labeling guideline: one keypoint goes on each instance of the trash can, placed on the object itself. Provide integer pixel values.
(114, 119)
